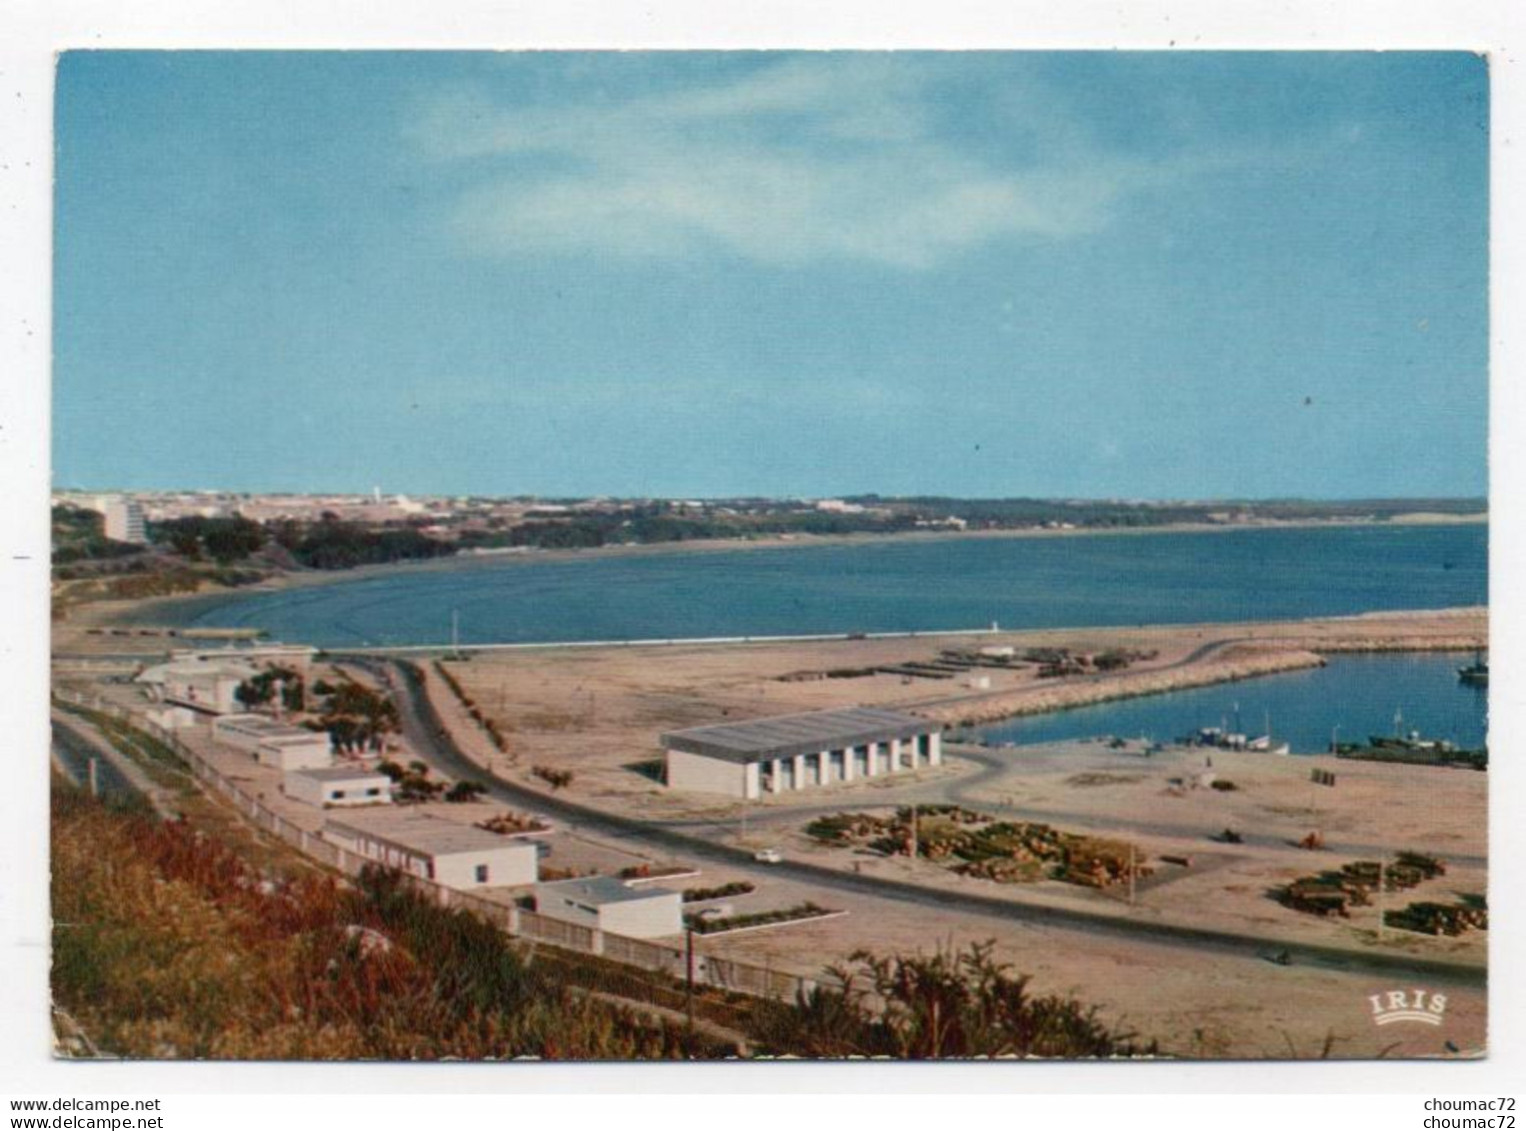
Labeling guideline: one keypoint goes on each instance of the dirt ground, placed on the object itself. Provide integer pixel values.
(600, 713)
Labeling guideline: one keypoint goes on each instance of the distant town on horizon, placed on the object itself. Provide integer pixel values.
(167, 533)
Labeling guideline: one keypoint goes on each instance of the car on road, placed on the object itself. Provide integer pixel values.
(768, 856)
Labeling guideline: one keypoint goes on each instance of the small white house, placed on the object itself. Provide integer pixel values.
(450, 853)
(334, 786)
(205, 686)
(306, 751)
(273, 743)
(612, 905)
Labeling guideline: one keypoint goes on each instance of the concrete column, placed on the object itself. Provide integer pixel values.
(824, 768)
(750, 774)
(776, 775)
(847, 763)
(799, 779)
(874, 755)
(895, 755)
(934, 749)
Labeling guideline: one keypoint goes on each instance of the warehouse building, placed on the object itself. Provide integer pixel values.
(791, 752)
(332, 786)
(449, 853)
(274, 743)
(612, 905)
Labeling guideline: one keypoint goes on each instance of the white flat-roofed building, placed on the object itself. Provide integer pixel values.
(206, 686)
(611, 904)
(435, 848)
(306, 751)
(335, 786)
(274, 743)
(790, 752)
(124, 521)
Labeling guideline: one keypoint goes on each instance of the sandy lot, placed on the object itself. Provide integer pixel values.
(599, 713)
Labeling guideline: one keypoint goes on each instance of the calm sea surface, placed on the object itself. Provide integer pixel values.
(1359, 694)
(890, 587)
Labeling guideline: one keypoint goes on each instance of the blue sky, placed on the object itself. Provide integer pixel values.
(1103, 274)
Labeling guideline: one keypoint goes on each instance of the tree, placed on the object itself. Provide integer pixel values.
(464, 791)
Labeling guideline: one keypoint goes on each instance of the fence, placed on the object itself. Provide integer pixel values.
(709, 970)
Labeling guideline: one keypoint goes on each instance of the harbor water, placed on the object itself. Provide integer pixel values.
(1352, 698)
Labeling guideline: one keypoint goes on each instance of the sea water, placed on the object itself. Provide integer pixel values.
(886, 586)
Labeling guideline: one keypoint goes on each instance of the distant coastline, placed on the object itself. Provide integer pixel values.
(183, 609)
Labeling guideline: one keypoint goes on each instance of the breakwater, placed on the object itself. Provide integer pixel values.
(1233, 664)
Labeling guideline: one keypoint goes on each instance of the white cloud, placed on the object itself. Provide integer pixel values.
(820, 158)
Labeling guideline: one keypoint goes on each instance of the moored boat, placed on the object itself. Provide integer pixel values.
(1476, 673)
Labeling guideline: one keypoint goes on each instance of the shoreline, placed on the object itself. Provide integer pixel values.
(180, 610)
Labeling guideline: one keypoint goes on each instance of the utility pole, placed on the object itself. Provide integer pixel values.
(95, 781)
(1131, 873)
(913, 830)
(455, 634)
(689, 977)
(1382, 899)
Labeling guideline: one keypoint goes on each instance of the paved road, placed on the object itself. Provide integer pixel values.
(431, 741)
(75, 753)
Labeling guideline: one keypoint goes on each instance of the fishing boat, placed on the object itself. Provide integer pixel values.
(1266, 744)
(1476, 673)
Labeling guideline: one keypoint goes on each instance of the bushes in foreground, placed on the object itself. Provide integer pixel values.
(955, 1003)
(167, 944)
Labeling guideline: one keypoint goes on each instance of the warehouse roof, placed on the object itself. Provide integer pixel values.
(783, 736)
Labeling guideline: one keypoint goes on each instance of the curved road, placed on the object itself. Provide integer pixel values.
(431, 741)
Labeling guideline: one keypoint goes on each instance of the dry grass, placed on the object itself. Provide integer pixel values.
(167, 944)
